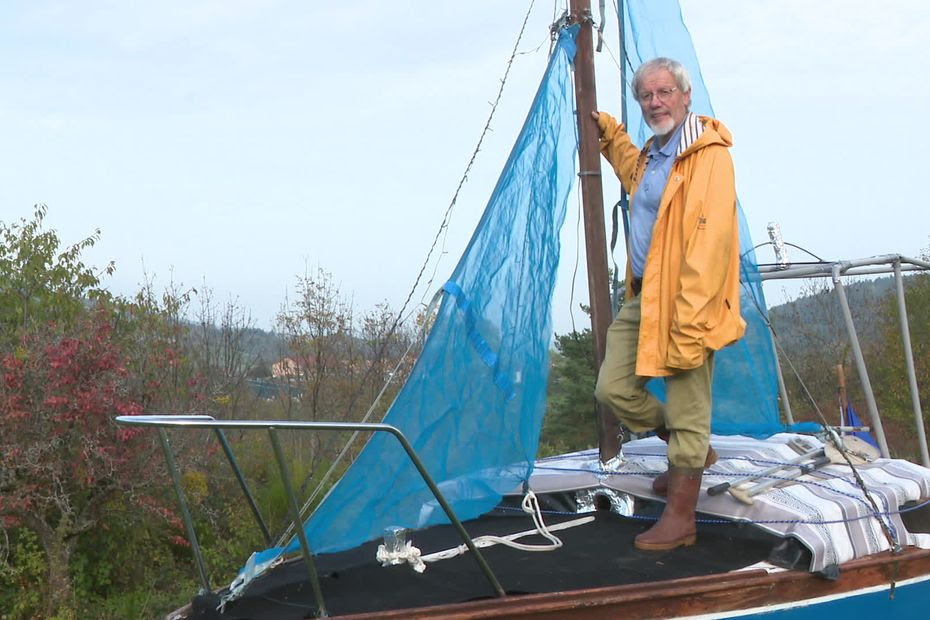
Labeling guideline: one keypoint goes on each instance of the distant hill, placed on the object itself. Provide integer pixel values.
(269, 346)
(259, 348)
(818, 316)
(812, 318)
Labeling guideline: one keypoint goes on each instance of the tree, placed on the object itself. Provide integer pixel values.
(39, 283)
(62, 457)
(386, 345)
(812, 339)
(570, 422)
(154, 333)
(71, 359)
(340, 367)
(221, 355)
(318, 331)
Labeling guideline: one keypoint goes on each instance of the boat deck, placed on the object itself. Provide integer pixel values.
(596, 554)
(599, 554)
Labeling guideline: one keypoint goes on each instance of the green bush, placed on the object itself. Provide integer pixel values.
(22, 575)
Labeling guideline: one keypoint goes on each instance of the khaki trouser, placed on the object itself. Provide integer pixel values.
(688, 400)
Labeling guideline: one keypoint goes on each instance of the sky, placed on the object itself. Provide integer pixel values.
(241, 144)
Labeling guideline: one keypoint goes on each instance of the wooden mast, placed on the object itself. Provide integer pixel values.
(593, 209)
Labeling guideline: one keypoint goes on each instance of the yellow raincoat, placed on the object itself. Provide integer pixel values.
(690, 290)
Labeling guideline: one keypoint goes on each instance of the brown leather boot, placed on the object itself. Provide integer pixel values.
(660, 482)
(675, 527)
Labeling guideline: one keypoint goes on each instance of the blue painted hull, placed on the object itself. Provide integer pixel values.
(911, 600)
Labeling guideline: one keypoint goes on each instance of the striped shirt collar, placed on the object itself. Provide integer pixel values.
(691, 130)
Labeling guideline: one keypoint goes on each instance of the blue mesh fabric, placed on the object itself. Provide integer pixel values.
(473, 404)
(745, 386)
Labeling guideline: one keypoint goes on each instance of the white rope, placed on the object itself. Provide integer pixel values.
(408, 554)
(530, 505)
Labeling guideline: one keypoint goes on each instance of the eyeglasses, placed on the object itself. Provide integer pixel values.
(663, 94)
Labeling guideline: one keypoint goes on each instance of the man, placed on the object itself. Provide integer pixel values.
(682, 294)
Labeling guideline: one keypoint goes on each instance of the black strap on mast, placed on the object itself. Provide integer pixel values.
(624, 204)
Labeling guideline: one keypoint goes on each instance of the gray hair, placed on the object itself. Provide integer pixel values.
(674, 67)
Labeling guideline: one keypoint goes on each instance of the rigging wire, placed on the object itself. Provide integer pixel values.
(797, 247)
(578, 236)
(571, 294)
(399, 317)
(546, 39)
(443, 227)
(552, 20)
(289, 532)
(626, 56)
(610, 52)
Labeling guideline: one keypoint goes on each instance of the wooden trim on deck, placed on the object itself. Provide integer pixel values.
(681, 597)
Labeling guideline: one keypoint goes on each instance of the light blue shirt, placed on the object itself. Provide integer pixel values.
(645, 206)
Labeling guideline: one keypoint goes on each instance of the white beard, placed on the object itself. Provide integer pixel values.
(662, 128)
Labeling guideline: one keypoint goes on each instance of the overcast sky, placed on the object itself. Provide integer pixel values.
(242, 142)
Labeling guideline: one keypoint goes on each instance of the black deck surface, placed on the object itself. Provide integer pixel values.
(597, 554)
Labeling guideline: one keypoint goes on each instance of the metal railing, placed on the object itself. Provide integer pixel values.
(891, 264)
(161, 422)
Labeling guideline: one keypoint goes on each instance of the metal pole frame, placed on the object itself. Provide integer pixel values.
(185, 510)
(858, 267)
(295, 516)
(253, 506)
(860, 362)
(205, 421)
(909, 361)
(889, 264)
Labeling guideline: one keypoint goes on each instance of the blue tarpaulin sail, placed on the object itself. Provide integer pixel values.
(473, 405)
